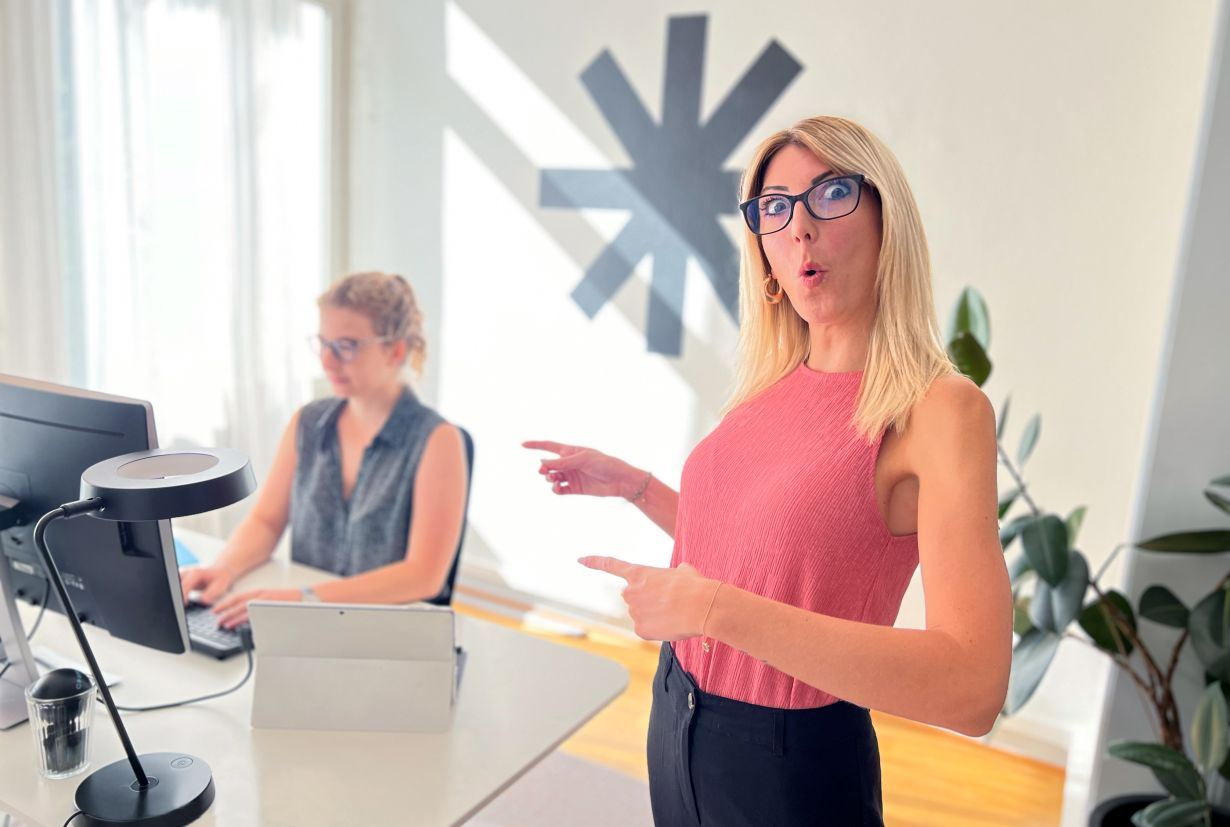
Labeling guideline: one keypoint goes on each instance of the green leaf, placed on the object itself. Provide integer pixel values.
(1003, 418)
(1018, 567)
(1218, 500)
(1221, 480)
(970, 358)
(1096, 624)
(1046, 544)
(1053, 608)
(1172, 768)
(1074, 522)
(1007, 499)
(1209, 729)
(1011, 529)
(1160, 605)
(971, 316)
(1210, 637)
(1020, 616)
(1029, 438)
(1190, 542)
(1171, 812)
(1030, 660)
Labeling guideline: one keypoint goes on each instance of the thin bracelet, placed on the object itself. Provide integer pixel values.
(704, 639)
(640, 492)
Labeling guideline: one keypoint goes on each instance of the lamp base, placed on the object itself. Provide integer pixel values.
(181, 790)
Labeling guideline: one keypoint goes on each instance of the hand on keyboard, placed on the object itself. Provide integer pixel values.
(207, 636)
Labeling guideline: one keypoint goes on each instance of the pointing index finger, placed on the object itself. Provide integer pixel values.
(543, 445)
(610, 565)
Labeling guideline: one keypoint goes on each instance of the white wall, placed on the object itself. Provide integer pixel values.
(1049, 146)
(1189, 433)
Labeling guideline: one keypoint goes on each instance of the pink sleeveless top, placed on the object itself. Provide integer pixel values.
(780, 500)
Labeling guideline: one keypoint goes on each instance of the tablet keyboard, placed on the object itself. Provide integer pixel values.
(206, 636)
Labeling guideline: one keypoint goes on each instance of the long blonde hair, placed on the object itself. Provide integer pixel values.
(905, 355)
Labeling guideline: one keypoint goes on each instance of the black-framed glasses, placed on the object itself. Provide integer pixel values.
(345, 348)
(825, 200)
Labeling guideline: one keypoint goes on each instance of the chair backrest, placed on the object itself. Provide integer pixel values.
(445, 597)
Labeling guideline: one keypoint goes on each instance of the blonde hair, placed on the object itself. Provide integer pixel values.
(906, 354)
(388, 301)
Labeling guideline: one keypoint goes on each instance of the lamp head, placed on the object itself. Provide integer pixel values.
(162, 483)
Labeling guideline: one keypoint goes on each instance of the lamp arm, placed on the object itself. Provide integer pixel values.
(68, 510)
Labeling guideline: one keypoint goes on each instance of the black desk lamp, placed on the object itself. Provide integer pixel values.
(160, 789)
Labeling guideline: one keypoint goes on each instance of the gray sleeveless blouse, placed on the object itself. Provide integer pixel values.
(370, 529)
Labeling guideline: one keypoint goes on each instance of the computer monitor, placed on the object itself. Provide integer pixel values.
(122, 577)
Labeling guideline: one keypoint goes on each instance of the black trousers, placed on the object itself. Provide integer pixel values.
(718, 762)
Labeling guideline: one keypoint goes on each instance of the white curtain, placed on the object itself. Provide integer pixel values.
(194, 180)
(32, 321)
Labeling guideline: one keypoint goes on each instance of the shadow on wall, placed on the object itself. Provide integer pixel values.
(675, 192)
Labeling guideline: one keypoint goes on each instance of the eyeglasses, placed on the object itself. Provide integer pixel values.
(346, 348)
(826, 200)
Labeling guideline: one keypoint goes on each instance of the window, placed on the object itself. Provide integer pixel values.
(194, 176)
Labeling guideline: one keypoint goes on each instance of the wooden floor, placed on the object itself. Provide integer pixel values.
(931, 777)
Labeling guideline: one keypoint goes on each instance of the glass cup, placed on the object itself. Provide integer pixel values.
(61, 707)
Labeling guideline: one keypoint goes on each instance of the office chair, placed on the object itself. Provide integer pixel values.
(445, 597)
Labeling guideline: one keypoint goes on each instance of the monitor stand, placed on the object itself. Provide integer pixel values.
(21, 670)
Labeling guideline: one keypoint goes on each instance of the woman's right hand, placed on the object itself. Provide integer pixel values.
(578, 470)
(211, 581)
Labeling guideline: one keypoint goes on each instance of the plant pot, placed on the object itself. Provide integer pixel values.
(1118, 811)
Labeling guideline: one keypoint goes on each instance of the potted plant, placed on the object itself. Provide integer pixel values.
(1065, 594)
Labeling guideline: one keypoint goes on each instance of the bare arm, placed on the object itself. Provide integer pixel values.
(253, 542)
(659, 502)
(580, 470)
(954, 673)
(435, 529)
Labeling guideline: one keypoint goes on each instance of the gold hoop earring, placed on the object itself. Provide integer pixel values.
(772, 296)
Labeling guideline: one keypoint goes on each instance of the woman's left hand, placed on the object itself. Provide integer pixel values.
(665, 604)
(234, 610)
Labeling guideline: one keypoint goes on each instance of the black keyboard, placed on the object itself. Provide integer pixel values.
(207, 637)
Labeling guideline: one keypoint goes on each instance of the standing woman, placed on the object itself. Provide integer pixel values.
(371, 481)
(850, 452)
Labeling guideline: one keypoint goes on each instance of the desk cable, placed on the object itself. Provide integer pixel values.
(245, 637)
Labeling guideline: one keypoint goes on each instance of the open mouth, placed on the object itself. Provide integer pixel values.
(810, 273)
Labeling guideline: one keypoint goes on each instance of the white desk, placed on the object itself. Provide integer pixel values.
(519, 698)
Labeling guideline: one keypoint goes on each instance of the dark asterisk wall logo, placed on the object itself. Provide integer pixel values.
(677, 187)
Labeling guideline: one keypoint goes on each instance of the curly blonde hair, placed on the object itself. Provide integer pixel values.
(388, 300)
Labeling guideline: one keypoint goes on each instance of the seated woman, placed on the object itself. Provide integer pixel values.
(371, 480)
